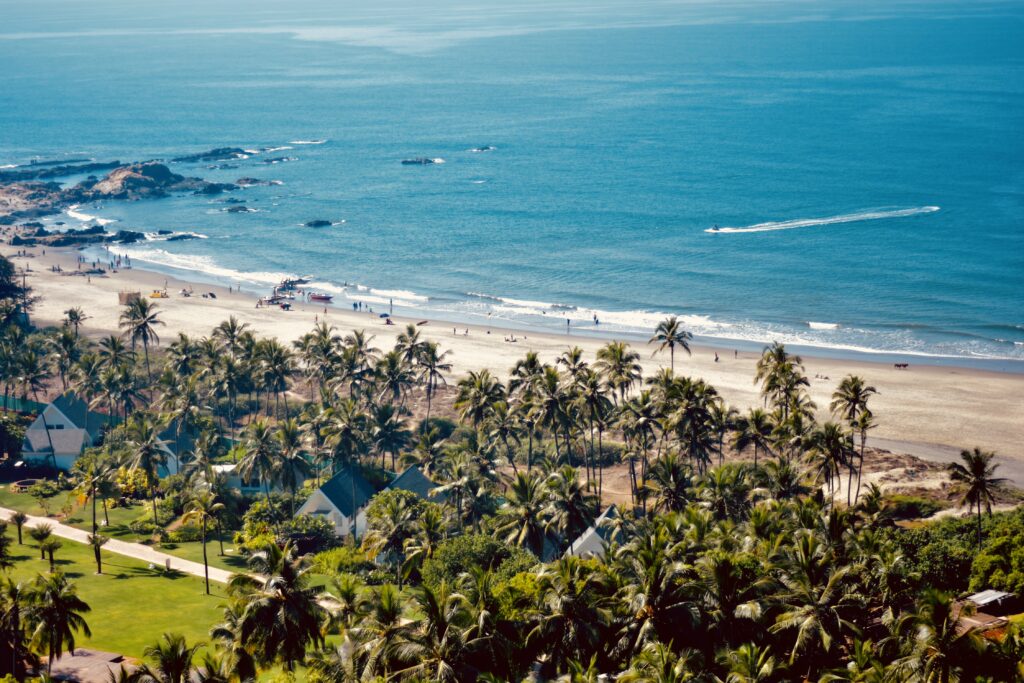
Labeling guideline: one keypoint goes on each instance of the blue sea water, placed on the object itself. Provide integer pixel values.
(865, 160)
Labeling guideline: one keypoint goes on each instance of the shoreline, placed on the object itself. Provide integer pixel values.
(933, 409)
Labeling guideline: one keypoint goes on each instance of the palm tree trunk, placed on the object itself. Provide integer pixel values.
(860, 465)
(155, 520)
(206, 564)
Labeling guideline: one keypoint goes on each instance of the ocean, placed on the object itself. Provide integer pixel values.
(861, 161)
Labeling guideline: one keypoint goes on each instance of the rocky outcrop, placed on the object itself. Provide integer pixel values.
(319, 223)
(44, 170)
(218, 154)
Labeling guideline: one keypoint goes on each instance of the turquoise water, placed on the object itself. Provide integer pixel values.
(864, 160)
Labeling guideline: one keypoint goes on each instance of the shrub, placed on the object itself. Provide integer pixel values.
(900, 506)
(187, 534)
(1000, 564)
(457, 555)
(341, 560)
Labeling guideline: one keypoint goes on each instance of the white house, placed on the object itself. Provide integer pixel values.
(595, 539)
(340, 500)
(334, 500)
(60, 433)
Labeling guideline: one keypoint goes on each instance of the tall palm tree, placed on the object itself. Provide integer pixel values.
(281, 615)
(976, 477)
(172, 660)
(753, 429)
(670, 483)
(139, 319)
(619, 367)
(203, 508)
(74, 317)
(573, 610)
(436, 646)
(523, 520)
(571, 507)
(850, 403)
(832, 448)
(260, 461)
(54, 615)
(148, 453)
(432, 364)
(940, 643)
(14, 606)
(478, 393)
(670, 334)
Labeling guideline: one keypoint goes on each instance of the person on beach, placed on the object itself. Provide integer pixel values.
(716, 356)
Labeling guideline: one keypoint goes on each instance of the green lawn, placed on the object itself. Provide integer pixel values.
(81, 516)
(131, 604)
(231, 561)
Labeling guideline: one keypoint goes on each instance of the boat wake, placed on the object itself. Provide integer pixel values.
(307, 142)
(872, 215)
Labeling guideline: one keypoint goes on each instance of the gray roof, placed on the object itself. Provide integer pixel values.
(338, 490)
(77, 410)
(415, 481)
(596, 537)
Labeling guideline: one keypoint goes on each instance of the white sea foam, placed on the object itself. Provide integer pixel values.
(822, 326)
(478, 182)
(6, 166)
(276, 149)
(307, 142)
(871, 215)
(157, 237)
(438, 160)
(399, 294)
(73, 212)
(201, 264)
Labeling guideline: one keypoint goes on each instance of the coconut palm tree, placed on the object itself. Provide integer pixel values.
(148, 452)
(670, 483)
(850, 403)
(478, 393)
(54, 616)
(74, 317)
(523, 520)
(975, 475)
(96, 542)
(432, 364)
(381, 629)
(281, 616)
(260, 462)
(753, 429)
(40, 534)
(940, 643)
(670, 334)
(572, 612)
(139, 320)
(14, 606)
(436, 646)
(172, 660)
(294, 468)
(18, 519)
(571, 508)
(203, 508)
(619, 367)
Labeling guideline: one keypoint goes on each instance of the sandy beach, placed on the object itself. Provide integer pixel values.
(927, 411)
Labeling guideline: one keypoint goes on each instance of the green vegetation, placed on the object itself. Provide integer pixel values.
(774, 565)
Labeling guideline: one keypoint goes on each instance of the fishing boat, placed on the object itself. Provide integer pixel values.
(320, 296)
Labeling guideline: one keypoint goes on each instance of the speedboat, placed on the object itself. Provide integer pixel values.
(320, 296)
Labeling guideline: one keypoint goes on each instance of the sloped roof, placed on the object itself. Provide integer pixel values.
(65, 441)
(338, 490)
(77, 410)
(415, 481)
(596, 537)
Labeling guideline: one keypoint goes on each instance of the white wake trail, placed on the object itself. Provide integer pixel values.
(829, 220)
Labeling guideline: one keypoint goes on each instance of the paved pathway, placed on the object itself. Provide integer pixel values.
(134, 550)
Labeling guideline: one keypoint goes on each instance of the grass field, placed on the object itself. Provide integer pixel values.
(131, 604)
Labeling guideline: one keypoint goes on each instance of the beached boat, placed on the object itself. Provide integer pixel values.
(320, 296)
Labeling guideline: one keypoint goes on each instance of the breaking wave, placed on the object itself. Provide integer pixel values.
(73, 212)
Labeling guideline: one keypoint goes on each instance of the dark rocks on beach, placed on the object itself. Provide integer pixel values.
(164, 232)
(418, 161)
(250, 182)
(127, 237)
(181, 237)
(236, 208)
(31, 224)
(320, 223)
(218, 154)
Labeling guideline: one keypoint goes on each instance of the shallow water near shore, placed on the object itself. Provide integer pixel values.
(862, 164)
